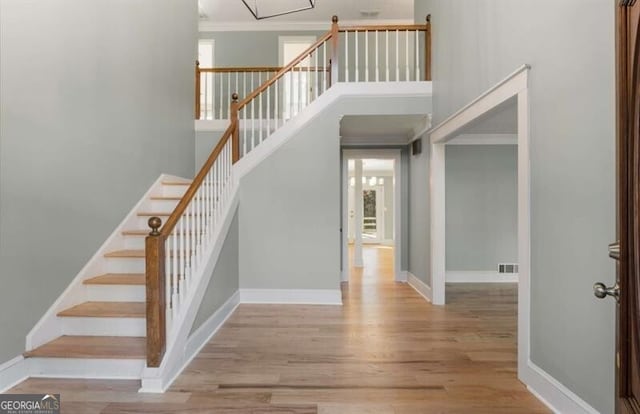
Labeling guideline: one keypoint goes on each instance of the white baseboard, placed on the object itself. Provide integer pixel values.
(422, 288)
(403, 276)
(292, 296)
(479, 276)
(552, 393)
(14, 372)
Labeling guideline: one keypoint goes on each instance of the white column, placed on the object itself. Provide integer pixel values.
(357, 251)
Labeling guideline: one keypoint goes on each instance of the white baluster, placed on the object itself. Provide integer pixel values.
(377, 61)
(357, 56)
(269, 110)
(179, 251)
(261, 116)
(253, 125)
(346, 56)
(316, 83)
(397, 57)
(417, 55)
(244, 85)
(324, 70)
(366, 56)
(167, 285)
(387, 54)
(226, 107)
(277, 113)
(175, 267)
(406, 55)
(206, 95)
(308, 81)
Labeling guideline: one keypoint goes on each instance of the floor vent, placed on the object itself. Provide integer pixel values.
(507, 268)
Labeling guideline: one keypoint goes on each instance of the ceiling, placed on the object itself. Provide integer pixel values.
(380, 129)
(227, 11)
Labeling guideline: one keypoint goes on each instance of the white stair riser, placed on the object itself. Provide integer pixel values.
(134, 242)
(104, 326)
(124, 265)
(163, 205)
(174, 190)
(116, 293)
(87, 368)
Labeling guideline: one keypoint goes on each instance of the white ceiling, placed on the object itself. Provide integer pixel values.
(380, 129)
(228, 11)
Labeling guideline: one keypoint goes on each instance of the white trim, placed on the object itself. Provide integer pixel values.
(395, 155)
(282, 40)
(419, 286)
(292, 296)
(403, 277)
(479, 276)
(14, 372)
(275, 26)
(503, 90)
(553, 394)
(484, 139)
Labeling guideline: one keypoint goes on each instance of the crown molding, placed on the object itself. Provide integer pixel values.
(279, 26)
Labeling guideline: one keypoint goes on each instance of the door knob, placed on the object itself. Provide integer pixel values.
(601, 291)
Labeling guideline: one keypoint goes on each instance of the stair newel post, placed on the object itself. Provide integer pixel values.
(427, 49)
(197, 106)
(335, 37)
(156, 296)
(235, 137)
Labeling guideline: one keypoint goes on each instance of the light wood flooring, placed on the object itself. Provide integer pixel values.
(386, 351)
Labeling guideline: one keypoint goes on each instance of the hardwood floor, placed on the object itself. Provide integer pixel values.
(386, 351)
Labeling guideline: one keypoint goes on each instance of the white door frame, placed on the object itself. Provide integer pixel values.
(392, 154)
(514, 86)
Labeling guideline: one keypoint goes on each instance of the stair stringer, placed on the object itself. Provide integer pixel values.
(50, 326)
(178, 354)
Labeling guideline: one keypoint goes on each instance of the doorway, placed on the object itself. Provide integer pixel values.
(371, 211)
(296, 85)
(512, 90)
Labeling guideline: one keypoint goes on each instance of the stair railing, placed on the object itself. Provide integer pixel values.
(176, 252)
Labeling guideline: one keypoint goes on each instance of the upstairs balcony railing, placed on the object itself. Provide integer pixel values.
(397, 53)
(176, 251)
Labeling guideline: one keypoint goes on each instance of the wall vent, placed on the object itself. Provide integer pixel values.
(507, 268)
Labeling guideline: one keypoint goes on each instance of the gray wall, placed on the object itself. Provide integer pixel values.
(205, 142)
(290, 203)
(96, 101)
(482, 206)
(419, 214)
(224, 280)
(570, 45)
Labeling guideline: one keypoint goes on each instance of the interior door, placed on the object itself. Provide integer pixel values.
(627, 250)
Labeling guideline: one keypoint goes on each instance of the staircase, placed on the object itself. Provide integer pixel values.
(108, 329)
(128, 313)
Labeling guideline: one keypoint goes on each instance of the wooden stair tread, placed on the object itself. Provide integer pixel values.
(117, 279)
(175, 182)
(107, 310)
(102, 347)
(127, 253)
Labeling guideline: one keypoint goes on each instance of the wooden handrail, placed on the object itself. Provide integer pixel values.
(261, 69)
(284, 70)
(401, 27)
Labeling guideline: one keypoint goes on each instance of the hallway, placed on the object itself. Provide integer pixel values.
(386, 351)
